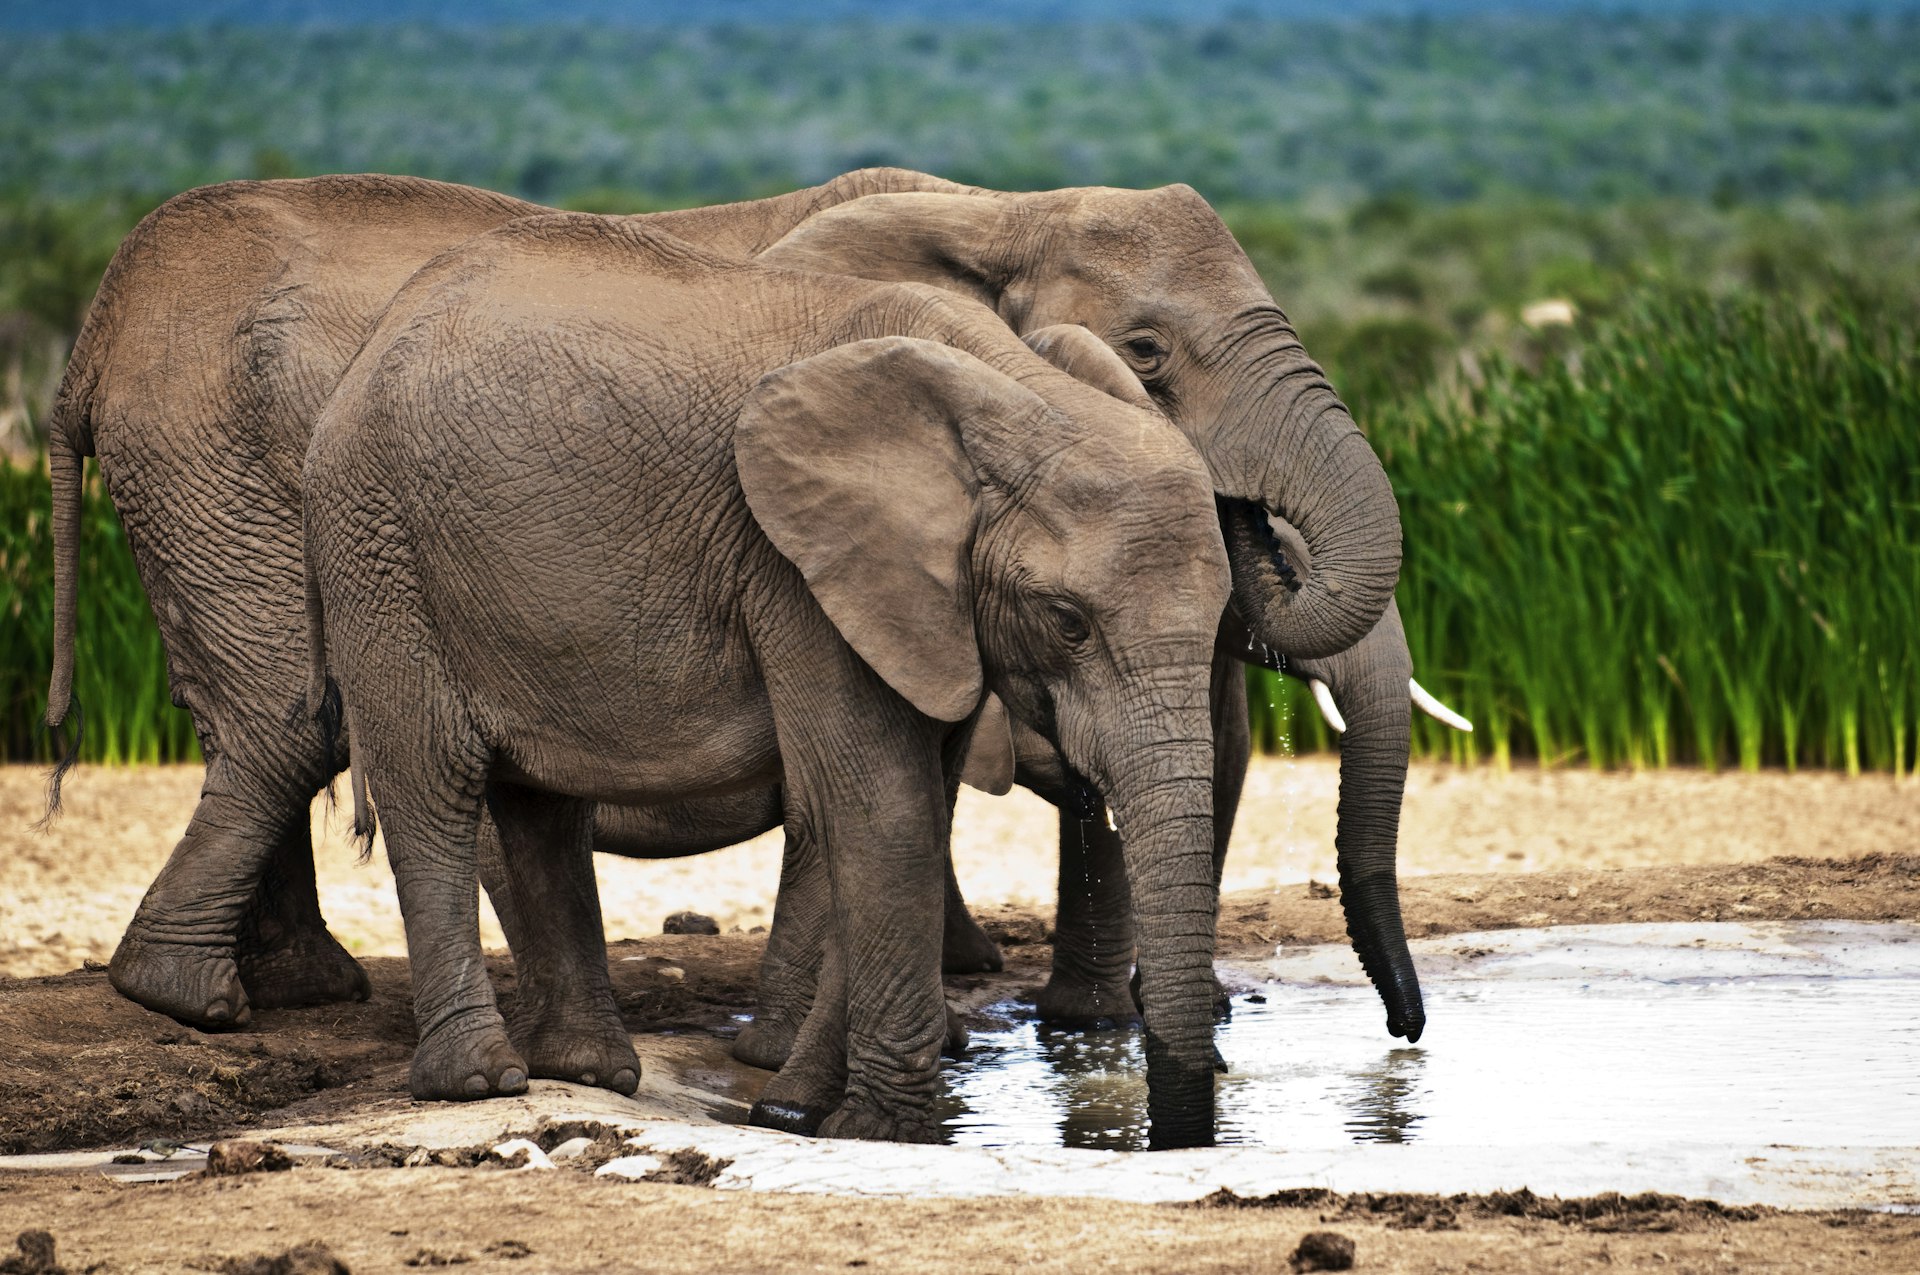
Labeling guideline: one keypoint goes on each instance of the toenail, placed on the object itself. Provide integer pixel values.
(586, 1077)
(513, 1079)
(219, 1012)
(476, 1084)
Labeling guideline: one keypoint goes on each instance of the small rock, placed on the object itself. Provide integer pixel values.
(629, 1166)
(1323, 1251)
(522, 1153)
(238, 1155)
(571, 1149)
(690, 923)
(672, 973)
(35, 1256)
(418, 1158)
(1320, 890)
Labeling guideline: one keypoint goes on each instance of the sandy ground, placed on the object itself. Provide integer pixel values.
(67, 893)
(1481, 850)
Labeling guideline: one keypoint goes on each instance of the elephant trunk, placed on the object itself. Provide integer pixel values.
(1370, 682)
(1317, 471)
(1162, 803)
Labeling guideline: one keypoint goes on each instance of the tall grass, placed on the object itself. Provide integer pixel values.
(120, 678)
(1694, 538)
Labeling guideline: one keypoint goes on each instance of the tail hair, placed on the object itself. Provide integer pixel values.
(67, 757)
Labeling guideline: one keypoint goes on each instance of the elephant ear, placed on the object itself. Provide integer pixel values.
(905, 238)
(1085, 357)
(853, 465)
(989, 763)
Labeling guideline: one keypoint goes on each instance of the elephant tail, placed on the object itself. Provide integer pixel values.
(331, 712)
(69, 443)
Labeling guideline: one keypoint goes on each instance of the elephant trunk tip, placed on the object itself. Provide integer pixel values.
(1407, 1026)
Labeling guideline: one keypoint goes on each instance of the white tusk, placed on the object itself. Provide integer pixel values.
(1434, 708)
(1111, 825)
(1323, 696)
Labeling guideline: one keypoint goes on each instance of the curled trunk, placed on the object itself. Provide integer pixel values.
(1294, 451)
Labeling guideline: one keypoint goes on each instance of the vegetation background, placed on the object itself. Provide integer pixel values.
(1682, 528)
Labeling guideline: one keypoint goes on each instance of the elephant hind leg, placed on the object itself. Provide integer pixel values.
(566, 1019)
(208, 914)
(285, 954)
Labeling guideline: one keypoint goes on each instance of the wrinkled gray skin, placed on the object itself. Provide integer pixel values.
(227, 317)
(223, 323)
(596, 516)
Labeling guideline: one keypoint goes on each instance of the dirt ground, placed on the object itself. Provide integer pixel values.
(1482, 850)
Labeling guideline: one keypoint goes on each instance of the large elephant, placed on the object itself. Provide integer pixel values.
(576, 540)
(227, 317)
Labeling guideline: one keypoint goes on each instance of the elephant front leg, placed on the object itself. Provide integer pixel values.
(1092, 932)
(792, 963)
(566, 1021)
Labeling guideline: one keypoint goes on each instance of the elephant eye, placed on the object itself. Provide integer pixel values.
(1070, 624)
(1146, 351)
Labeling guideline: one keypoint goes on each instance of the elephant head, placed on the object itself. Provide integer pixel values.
(969, 532)
(1159, 279)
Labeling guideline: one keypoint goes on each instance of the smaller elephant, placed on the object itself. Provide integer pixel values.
(597, 516)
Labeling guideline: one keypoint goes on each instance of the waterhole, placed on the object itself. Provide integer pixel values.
(1802, 1035)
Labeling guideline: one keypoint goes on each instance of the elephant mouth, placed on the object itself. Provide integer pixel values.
(1082, 800)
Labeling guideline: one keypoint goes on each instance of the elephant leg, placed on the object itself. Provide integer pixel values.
(1092, 931)
(964, 946)
(177, 956)
(566, 1023)
(232, 922)
(428, 770)
(285, 954)
(812, 1080)
(792, 964)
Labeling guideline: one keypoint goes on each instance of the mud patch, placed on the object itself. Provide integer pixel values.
(1608, 1212)
(311, 1258)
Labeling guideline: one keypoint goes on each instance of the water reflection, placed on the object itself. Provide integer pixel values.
(1807, 1061)
(1383, 1098)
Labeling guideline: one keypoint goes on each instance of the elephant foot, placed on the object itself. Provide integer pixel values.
(194, 983)
(966, 949)
(955, 1045)
(602, 1057)
(766, 1042)
(306, 967)
(467, 1059)
(867, 1124)
(787, 1117)
(1080, 1002)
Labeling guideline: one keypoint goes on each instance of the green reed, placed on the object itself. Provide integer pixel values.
(120, 675)
(1693, 536)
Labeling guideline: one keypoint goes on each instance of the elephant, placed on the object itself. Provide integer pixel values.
(598, 516)
(226, 318)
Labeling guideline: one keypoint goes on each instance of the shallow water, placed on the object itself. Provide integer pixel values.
(1807, 1036)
